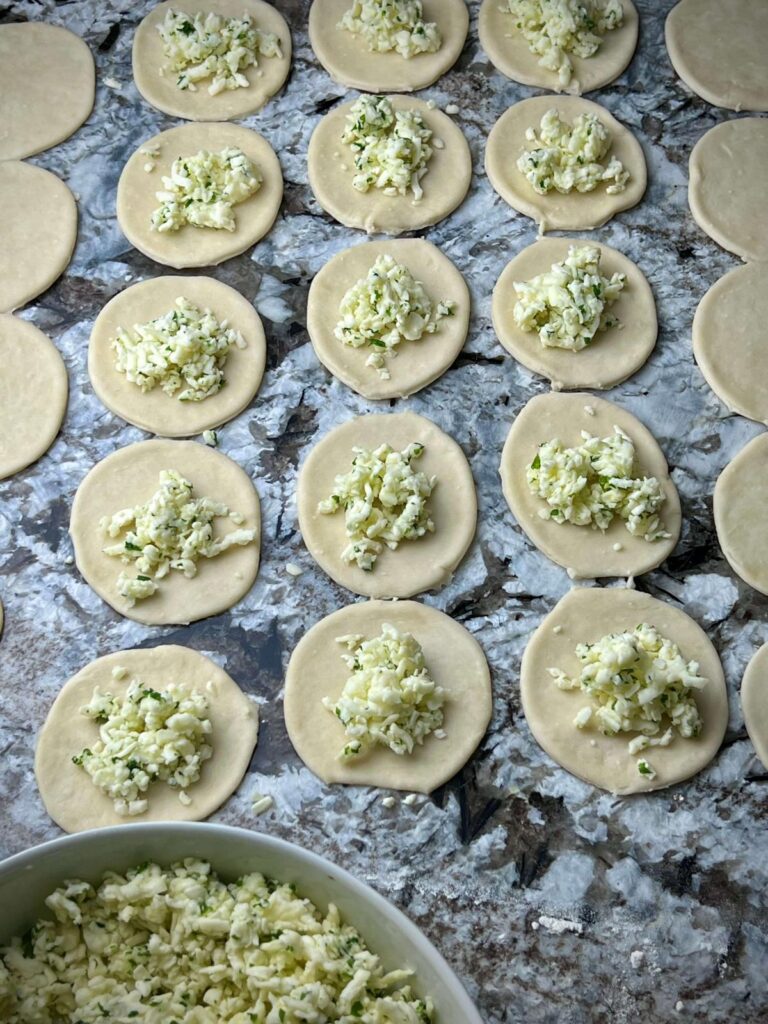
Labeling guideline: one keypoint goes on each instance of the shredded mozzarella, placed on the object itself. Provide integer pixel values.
(388, 25)
(203, 190)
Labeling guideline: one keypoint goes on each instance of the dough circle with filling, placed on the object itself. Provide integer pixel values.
(347, 59)
(585, 615)
(557, 211)
(332, 167)
(69, 795)
(426, 563)
(192, 246)
(508, 51)
(155, 410)
(160, 89)
(454, 660)
(740, 501)
(413, 364)
(33, 394)
(613, 355)
(754, 702)
(47, 85)
(39, 218)
(129, 477)
(584, 552)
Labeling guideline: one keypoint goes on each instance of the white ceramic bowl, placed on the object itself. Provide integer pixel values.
(27, 878)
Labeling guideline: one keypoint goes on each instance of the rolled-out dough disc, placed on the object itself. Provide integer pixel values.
(754, 702)
(740, 501)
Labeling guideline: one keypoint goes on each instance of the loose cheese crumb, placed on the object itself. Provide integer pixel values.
(387, 25)
(211, 438)
(260, 804)
(203, 190)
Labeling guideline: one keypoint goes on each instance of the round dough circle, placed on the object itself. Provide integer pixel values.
(39, 218)
(726, 186)
(574, 211)
(754, 702)
(584, 552)
(585, 615)
(155, 410)
(508, 52)
(740, 498)
(445, 184)
(348, 60)
(719, 51)
(129, 477)
(424, 564)
(76, 804)
(191, 246)
(728, 340)
(161, 91)
(47, 82)
(454, 660)
(614, 355)
(416, 363)
(33, 394)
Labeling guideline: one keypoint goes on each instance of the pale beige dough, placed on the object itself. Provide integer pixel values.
(453, 658)
(331, 170)
(160, 89)
(129, 477)
(155, 410)
(555, 211)
(508, 51)
(729, 340)
(614, 354)
(69, 795)
(192, 246)
(39, 218)
(740, 501)
(726, 186)
(47, 82)
(719, 50)
(754, 702)
(584, 552)
(585, 615)
(417, 363)
(33, 394)
(417, 565)
(348, 60)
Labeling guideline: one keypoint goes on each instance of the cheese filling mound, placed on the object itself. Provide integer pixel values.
(567, 157)
(187, 349)
(207, 45)
(388, 25)
(172, 531)
(203, 190)
(147, 736)
(590, 484)
(389, 699)
(384, 500)
(179, 945)
(554, 29)
(568, 304)
(391, 147)
(385, 308)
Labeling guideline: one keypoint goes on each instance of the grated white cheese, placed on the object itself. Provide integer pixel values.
(203, 190)
(260, 803)
(387, 25)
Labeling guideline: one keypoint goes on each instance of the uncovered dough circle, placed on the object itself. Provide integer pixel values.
(574, 211)
(586, 553)
(416, 363)
(161, 90)
(348, 60)
(719, 51)
(615, 353)
(455, 661)
(47, 82)
(33, 394)
(155, 410)
(508, 51)
(191, 246)
(129, 477)
(424, 564)
(740, 501)
(754, 702)
(726, 186)
(39, 218)
(69, 795)
(585, 615)
(445, 184)
(729, 342)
